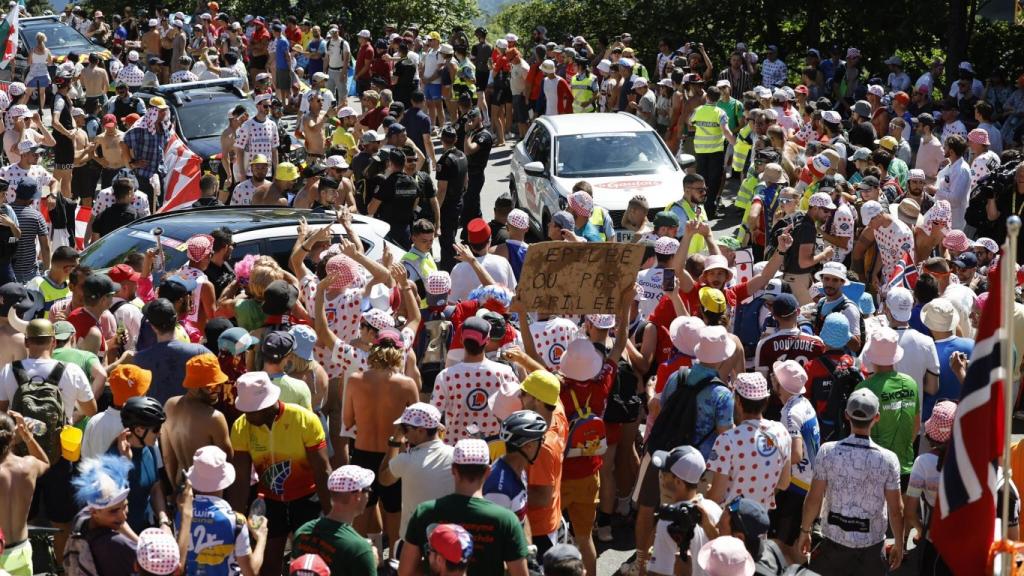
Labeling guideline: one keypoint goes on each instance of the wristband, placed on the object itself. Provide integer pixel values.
(394, 443)
(805, 530)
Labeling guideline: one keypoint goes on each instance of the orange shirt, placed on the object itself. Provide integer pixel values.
(546, 470)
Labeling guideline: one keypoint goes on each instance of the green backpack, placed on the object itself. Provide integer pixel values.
(42, 400)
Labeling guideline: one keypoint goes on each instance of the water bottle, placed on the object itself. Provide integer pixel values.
(36, 427)
(258, 512)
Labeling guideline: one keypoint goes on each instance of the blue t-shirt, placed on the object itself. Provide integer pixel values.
(416, 123)
(166, 360)
(916, 323)
(714, 406)
(590, 232)
(506, 488)
(281, 48)
(217, 538)
(144, 474)
(949, 386)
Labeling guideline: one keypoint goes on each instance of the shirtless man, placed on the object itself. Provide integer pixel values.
(338, 170)
(313, 126)
(151, 40)
(192, 422)
(227, 146)
(95, 81)
(374, 399)
(26, 125)
(276, 193)
(109, 153)
(18, 475)
(84, 152)
(255, 185)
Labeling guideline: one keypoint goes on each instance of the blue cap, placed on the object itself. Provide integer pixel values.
(236, 341)
(753, 519)
(835, 332)
(305, 341)
(564, 220)
(866, 304)
(784, 305)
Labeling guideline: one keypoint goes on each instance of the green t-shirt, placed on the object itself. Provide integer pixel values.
(294, 391)
(81, 358)
(497, 535)
(899, 412)
(733, 110)
(338, 543)
(249, 314)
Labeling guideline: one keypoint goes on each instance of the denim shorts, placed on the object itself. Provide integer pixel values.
(432, 91)
(38, 82)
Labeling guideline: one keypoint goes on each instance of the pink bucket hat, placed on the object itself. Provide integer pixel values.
(791, 376)
(939, 425)
(255, 391)
(210, 470)
(715, 345)
(581, 361)
(199, 247)
(883, 348)
(685, 333)
(726, 556)
(978, 136)
(957, 241)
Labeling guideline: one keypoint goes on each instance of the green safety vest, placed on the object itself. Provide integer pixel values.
(597, 219)
(741, 149)
(50, 292)
(697, 243)
(641, 71)
(746, 195)
(708, 138)
(582, 91)
(425, 265)
(460, 84)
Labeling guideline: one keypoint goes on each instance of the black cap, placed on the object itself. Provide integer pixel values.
(784, 305)
(395, 128)
(279, 298)
(449, 131)
(380, 44)
(27, 302)
(328, 183)
(926, 118)
(214, 328)
(869, 182)
(28, 189)
(966, 260)
(276, 345)
(753, 520)
(477, 324)
(497, 322)
(396, 155)
(314, 169)
(174, 288)
(396, 108)
(161, 314)
(98, 285)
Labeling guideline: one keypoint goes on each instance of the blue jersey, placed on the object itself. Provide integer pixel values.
(218, 537)
(506, 488)
(516, 255)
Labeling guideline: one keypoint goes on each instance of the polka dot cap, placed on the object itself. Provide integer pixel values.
(666, 246)
(939, 425)
(581, 204)
(421, 415)
(751, 385)
(439, 282)
(957, 241)
(471, 451)
(345, 268)
(157, 552)
(349, 478)
(940, 214)
(518, 219)
(379, 319)
(988, 244)
(199, 247)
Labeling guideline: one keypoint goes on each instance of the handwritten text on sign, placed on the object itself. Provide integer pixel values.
(578, 278)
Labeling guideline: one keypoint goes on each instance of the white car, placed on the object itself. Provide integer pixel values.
(619, 154)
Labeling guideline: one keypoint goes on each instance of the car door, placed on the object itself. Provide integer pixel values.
(544, 195)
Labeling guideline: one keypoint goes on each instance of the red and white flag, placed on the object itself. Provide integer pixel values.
(184, 168)
(9, 36)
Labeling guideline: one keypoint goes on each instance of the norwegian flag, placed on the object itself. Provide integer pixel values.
(184, 167)
(904, 273)
(966, 496)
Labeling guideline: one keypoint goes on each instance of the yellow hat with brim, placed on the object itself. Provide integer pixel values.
(259, 159)
(158, 102)
(287, 172)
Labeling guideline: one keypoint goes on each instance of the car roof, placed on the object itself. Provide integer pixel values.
(594, 123)
(179, 94)
(202, 220)
(39, 20)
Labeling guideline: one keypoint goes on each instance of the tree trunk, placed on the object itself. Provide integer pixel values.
(958, 25)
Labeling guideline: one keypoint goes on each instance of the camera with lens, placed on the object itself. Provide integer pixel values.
(683, 518)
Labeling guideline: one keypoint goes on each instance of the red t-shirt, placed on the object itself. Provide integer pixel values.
(664, 313)
(381, 67)
(819, 379)
(592, 393)
(294, 35)
(364, 55)
(667, 368)
(83, 321)
(786, 345)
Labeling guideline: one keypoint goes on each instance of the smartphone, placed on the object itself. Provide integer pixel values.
(697, 211)
(668, 279)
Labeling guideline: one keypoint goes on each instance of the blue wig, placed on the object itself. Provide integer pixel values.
(102, 481)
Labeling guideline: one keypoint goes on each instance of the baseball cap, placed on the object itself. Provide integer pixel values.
(309, 565)
(279, 297)
(564, 220)
(862, 405)
(123, 273)
(236, 341)
(784, 305)
(109, 120)
(966, 260)
(471, 452)
(821, 200)
(542, 385)
(452, 542)
(869, 210)
(99, 285)
(712, 300)
(276, 345)
(62, 330)
(350, 478)
(685, 462)
(160, 312)
(420, 415)
(559, 553)
(665, 218)
(900, 303)
(371, 136)
(753, 519)
(476, 329)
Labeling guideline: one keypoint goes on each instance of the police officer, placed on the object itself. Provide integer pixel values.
(712, 130)
(584, 88)
(452, 171)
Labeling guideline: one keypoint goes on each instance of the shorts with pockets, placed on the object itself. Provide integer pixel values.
(432, 91)
(283, 518)
(389, 496)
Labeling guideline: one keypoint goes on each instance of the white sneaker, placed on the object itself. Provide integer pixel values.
(604, 533)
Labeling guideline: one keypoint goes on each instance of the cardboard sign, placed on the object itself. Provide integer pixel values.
(578, 277)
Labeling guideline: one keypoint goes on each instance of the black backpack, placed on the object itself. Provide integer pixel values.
(677, 421)
(833, 424)
(41, 399)
(624, 400)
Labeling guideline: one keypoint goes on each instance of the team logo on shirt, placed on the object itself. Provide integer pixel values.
(275, 476)
(555, 354)
(766, 444)
(477, 400)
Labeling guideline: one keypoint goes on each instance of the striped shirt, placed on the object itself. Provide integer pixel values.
(32, 226)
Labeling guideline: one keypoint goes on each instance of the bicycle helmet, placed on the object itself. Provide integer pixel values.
(142, 411)
(523, 427)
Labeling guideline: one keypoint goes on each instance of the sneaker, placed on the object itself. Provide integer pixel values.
(604, 533)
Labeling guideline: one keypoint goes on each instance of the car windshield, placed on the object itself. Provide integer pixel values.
(112, 249)
(612, 154)
(59, 38)
(204, 118)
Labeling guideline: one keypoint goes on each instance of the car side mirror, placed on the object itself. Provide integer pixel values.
(685, 160)
(535, 169)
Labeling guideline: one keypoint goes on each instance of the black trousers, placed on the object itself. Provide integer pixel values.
(711, 167)
(451, 213)
(471, 199)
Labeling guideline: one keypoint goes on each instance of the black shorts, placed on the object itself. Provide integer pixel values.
(283, 79)
(259, 62)
(787, 515)
(283, 518)
(63, 152)
(166, 54)
(54, 493)
(389, 496)
(84, 180)
(520, 109)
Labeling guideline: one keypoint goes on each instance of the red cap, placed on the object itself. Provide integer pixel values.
(123, 273)
(109, 120)
(801, 89)
(309, 565)
(131, 119)
(478, 231)
(452, 542)
(901, 97)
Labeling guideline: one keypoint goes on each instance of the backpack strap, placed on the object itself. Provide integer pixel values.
(20, 375)
(56, 375)
(576, 404)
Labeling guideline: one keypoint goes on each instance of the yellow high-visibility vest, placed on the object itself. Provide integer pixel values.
(582, 91)
(708, 137)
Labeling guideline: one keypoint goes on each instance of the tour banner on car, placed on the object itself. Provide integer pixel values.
(181, 185)
(578, 277)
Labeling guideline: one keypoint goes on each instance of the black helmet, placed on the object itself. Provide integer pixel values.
(142, 411)
(523, 427)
